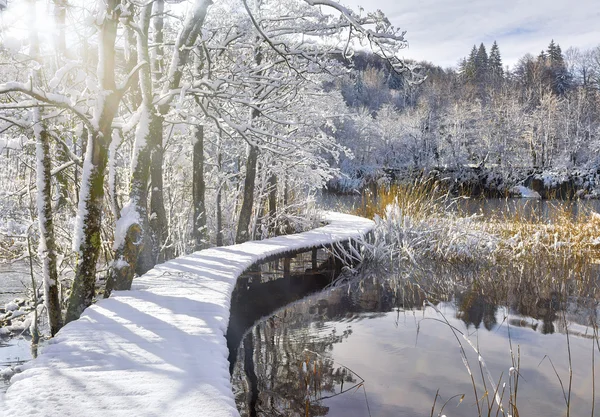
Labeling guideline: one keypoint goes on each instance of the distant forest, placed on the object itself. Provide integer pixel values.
(542, 116)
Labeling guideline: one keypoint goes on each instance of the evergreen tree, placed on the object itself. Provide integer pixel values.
(555, 55)
(556, 71)
(481, 63)
(470, 70)
(495, 62)
(462, 67)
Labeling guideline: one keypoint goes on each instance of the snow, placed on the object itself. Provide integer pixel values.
(159, 349)
(18, 313)
(129, 217)
(12, 44)
(141, 135)
(11, 306)
(61, 73)
(84, 194)
(120, 263)
(525, 192)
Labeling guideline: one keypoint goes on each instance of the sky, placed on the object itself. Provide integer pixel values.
(443, 31)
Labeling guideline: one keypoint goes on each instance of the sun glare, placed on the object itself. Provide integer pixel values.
(16, 20)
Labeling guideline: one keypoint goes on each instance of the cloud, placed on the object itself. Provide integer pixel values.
(443, 31)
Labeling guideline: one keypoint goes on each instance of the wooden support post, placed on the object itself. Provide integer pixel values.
(286, 267)
(255, 273)
(314, 259)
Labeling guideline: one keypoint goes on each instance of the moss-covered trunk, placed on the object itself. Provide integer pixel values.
(87, 242)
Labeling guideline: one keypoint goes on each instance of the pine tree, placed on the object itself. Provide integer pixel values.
(481, 63)
(542, 57)
(463, 66)
(555, 55)
(557, 73)
(471, 65)
(495, 62)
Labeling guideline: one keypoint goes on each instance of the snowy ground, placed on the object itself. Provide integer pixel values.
(159, 349)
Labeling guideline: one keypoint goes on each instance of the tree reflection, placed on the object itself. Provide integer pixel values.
(282, 370)
(474, 308)
(284, 365)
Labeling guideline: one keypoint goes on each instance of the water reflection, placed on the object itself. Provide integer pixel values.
(529, 209)
(378, 338)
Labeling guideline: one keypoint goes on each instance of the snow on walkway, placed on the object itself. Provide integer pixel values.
(158, 350)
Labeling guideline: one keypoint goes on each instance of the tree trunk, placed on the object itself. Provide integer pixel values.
(199, 234)
(185, 40)
(132, 235)
(88, 224)
(272, 203)
(219, 191)
(47, 243)
(242, 234)
(159, 227)
(219, 219)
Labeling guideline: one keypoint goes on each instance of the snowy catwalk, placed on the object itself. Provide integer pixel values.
(159, 349)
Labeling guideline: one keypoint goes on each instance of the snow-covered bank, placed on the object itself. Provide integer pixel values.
(524, 192)
(159, 349)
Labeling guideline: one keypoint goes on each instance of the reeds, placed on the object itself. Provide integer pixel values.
(559, 252)
(420, 222)
(419, 199)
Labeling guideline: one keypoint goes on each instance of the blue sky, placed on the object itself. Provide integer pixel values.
(442, 31)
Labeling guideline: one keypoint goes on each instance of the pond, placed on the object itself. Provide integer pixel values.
(13, 281)
(386, 346)
(486, 207)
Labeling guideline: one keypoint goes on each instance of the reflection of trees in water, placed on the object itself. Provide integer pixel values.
(283, 365)
(473, 308)
(282, 371)
(270, 377)
(553, 296)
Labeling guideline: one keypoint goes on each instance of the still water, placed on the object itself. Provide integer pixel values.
(379, 349)
(14, 279)
(486, 207)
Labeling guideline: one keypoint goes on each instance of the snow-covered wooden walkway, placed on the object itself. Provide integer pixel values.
(159, 349)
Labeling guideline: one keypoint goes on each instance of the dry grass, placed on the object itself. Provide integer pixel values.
(420, 199)
(422, 222)
(564, 237)
(512, 251)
